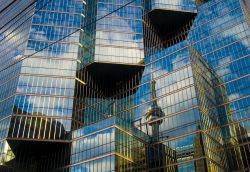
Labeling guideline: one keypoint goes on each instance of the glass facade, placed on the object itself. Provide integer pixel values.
(117, 37)
(122, 85)
(179, 5)
(14, 31)
(45, 88)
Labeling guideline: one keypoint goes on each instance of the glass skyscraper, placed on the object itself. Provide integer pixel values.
(124, 85)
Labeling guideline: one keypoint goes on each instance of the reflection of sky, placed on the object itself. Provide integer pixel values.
(92, 143)
(224, 41)
(119, 36)
(51, 74)
(94, 127)
(185, 5)
(73, 6)
(174, 58)
(208, 46)
(183, 143)
(106, 163)
(172, 71)
(13, 39)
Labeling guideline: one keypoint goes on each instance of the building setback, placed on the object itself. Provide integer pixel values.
(124, 85)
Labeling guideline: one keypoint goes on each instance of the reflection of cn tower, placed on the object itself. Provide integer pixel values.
(154, 113)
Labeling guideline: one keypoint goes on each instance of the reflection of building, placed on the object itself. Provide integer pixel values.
(243, 137)
(157, 154)
(154, 113)
(192, 119)
(120, 85)
(209, 136)
(115, 146)
(37, 93)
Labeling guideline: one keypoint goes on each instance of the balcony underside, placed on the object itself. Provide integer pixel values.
(170, 24)
(37, 155)
(112, 78)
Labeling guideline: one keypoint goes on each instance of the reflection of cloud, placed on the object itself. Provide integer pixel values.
(48, 85)
(175, 5)
(12, 49)
(106, 136)
(126, 47)
(224, 68)
(236, 32)
(171, 79)
(233, 96)
(225, 60)
(1, 36)
(219, 39)
(93, 142)
(38, 35)
(53, 76)
(179, 61)
(223, 71)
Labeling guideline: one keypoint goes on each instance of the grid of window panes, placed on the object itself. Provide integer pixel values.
(130, 147)
(13, 39)
(187, 128)
(93, 145)
(180, 5)
(98, 109)
(210, 119)
(110, 163)
(119, 36)
(178, 94)
(202, 87)
(91, 106)
(102, 164)
(45, 91)
(108, 137)
(221, 35)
